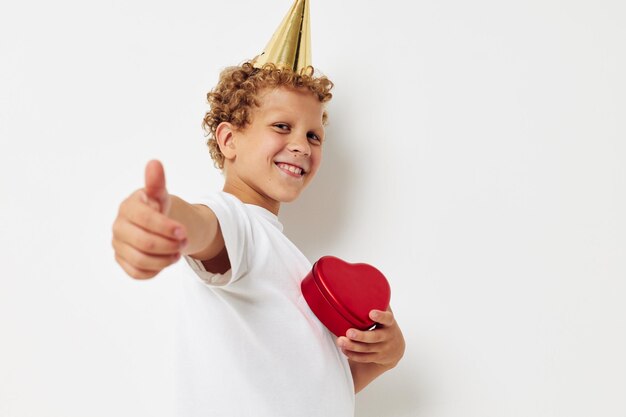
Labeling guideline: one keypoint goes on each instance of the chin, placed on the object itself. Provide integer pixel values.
(287, 196)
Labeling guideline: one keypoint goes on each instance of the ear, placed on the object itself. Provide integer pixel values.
(224, 134)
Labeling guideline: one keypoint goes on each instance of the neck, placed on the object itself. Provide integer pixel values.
(250, 196)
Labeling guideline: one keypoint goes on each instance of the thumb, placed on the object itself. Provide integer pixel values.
(155, 184)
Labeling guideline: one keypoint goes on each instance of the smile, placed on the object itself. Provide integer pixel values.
(292, 170)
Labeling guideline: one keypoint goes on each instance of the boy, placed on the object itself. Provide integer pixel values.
(250, 344)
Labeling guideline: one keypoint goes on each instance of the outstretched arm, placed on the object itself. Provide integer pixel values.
(371, 353)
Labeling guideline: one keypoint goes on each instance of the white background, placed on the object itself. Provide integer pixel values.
(475, 155)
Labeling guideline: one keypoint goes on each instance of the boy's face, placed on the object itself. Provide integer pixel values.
(277, 155)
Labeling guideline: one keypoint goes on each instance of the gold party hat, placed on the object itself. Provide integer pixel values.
(290, 47)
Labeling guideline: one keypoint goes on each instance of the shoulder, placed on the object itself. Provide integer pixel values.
(220, 198)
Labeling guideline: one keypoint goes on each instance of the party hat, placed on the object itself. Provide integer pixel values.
(290, 47)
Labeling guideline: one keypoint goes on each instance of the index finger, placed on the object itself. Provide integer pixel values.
(146, 217)
(365, 336)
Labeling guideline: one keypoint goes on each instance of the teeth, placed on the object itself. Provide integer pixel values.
(290, 168)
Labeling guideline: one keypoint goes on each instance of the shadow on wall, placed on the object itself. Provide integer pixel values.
(392, 395)
(317, 218)
(315, 222)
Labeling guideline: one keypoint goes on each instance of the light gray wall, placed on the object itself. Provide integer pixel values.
(476, 156)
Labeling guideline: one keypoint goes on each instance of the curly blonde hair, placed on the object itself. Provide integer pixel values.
(236, 93)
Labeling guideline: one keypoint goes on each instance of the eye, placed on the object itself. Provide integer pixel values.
(282, 126)
(314, 137)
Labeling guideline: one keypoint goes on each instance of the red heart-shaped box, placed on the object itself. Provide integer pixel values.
(342, 294)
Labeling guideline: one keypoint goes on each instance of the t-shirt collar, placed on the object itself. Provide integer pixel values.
(271, 217)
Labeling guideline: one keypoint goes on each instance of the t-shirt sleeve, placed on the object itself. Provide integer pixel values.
(237, 232)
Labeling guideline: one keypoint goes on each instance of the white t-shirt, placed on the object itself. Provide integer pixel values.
(249, 344)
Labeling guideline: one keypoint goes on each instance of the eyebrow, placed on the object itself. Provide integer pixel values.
(287, 115)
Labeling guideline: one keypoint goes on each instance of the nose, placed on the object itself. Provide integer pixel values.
(299, 144)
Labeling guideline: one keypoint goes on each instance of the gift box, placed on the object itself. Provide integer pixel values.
(342, 294)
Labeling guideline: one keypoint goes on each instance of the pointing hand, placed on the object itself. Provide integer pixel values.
(145, 239)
